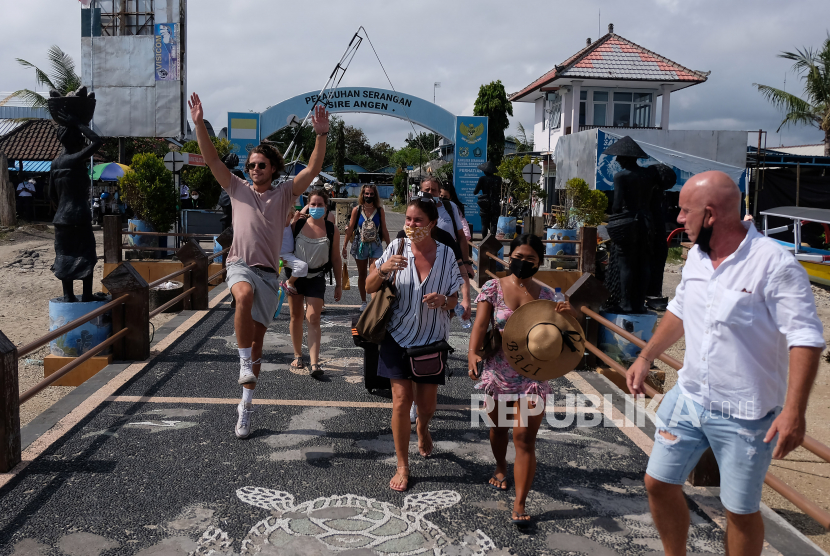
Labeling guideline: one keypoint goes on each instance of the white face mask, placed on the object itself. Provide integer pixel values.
(195, 197)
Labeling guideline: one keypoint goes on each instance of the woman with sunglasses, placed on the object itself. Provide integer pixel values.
(368, 226)
(427, 280)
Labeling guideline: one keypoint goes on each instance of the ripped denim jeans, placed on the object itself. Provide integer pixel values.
(685, 429)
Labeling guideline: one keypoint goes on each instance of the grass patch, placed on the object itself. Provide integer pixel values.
(675, 255)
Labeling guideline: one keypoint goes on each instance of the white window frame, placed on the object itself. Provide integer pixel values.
(553, 111)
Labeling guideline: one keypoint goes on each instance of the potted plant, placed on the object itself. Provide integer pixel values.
(148, 189)
(516, 193)
(582, 206)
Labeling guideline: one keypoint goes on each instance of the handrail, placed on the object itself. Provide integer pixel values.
(37, 388)
(216, 275)
(172, 275)
(617, 368)
(219, 254)
(671, 235)
(667, 359)
(162, 234)
(135, 248)
(43, 340)
(807, 506)
(172, 302)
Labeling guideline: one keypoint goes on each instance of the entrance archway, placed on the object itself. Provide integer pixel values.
(468, 133)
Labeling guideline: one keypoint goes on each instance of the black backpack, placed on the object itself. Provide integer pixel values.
(448, 208)
(329, 234)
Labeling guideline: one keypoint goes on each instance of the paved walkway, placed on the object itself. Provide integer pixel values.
(142, 459)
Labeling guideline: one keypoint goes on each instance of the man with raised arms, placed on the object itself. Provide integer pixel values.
(259, 213)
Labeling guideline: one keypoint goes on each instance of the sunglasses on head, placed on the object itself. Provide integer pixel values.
(252, 165)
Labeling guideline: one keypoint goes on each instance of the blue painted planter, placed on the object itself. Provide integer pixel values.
(216, 249)
(506, 227)
(141, 241)
(82, 339)
(620, 349)
(560, 248)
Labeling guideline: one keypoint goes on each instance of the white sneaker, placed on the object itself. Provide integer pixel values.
(243, 423)
(413, 413)
(362, 306)
(246, 372)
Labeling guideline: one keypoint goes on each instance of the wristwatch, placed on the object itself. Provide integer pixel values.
(446, 300)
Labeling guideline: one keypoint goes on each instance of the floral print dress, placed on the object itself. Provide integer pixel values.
(498, 377)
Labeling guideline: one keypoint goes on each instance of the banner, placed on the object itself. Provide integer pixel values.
(166, 52)
(243, 133)
(470, 152)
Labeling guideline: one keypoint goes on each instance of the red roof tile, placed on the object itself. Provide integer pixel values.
(33, 140)
(615, 57)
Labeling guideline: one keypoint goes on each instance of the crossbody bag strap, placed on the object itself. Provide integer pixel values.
(400, 251)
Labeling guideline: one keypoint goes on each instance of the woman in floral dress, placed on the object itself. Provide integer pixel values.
(500, 381)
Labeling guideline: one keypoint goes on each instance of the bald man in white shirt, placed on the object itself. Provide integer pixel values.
(748, 313)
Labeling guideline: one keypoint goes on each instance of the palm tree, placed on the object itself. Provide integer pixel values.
(815, 69)
(61, 77)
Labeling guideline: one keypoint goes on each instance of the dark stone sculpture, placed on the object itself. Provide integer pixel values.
(489, 203)
(631, 228)
(75, 255)
(660, 249)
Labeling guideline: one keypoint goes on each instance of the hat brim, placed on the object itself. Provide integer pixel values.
(514, 341)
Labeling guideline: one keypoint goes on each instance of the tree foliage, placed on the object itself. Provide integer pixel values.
(399, 186)
(514, 184)
(407, 156)
(582, 205)
(60, 76)
(200, 178)
(523, 140)
(352, 177)
(148, 189)
(492, 102)
(135, 145)
(814, 68)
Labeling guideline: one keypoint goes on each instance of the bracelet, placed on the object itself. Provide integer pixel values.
(322, 134)
(446, 300)
(649, 361)
(383, 274)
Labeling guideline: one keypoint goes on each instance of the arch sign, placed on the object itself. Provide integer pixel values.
(245, 129)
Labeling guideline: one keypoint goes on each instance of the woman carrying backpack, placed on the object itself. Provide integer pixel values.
(316, 242)
(368, 227)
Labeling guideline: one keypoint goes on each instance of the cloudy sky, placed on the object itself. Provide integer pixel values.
(251, 54)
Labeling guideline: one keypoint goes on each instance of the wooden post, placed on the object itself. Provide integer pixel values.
(588, 292)
(9, 406)
(588, 250)
(706, 472)
(188, 253)
(112, 238)
(134, 314)
(492, 245)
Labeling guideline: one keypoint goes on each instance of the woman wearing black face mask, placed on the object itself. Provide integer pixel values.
(498, 379)
(368, 227)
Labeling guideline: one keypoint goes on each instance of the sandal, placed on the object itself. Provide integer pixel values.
(503, 484)
(520, 520)
(291, 290)
(298, 364)
(405, 485)
(316, 370)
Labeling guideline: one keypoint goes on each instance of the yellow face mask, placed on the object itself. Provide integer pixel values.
(417, 235)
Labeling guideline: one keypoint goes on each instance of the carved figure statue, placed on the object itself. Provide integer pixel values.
(660, 249)
(631, 228)
(489, 203)
(75, 256)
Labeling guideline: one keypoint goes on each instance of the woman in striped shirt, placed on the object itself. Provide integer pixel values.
(427, 280)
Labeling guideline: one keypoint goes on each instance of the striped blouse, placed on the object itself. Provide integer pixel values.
(412, 322)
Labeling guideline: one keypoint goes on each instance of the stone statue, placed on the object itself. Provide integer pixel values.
(631, 227)
(75, 255)
(489, 203)
(660, 249)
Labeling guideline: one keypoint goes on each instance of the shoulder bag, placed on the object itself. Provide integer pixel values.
(492, 338)
(428, 360)
(374, 319)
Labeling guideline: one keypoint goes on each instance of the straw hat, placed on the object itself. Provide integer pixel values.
(541, 344)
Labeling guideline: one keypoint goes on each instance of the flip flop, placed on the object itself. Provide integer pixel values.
(406, 486)
(518, 521)
(300, 364)
(501, 482)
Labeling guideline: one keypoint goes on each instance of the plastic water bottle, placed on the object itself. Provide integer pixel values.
(558, 295)
(465, 323)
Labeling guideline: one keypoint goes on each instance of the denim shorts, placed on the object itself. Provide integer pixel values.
(738, 444)
(365, 251)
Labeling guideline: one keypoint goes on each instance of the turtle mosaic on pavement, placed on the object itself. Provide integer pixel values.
(348, 522)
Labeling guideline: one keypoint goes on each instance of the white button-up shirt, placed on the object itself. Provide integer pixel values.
(740, 321)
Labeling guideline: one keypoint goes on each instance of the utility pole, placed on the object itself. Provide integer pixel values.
(437, 85)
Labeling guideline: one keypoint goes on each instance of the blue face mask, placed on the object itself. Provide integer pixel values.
(317, 212)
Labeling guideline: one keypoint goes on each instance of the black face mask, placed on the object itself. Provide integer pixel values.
(704, 236)
(522, 269)
(368, 198)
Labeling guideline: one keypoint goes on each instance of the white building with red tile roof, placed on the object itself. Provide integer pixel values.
(617, 83)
